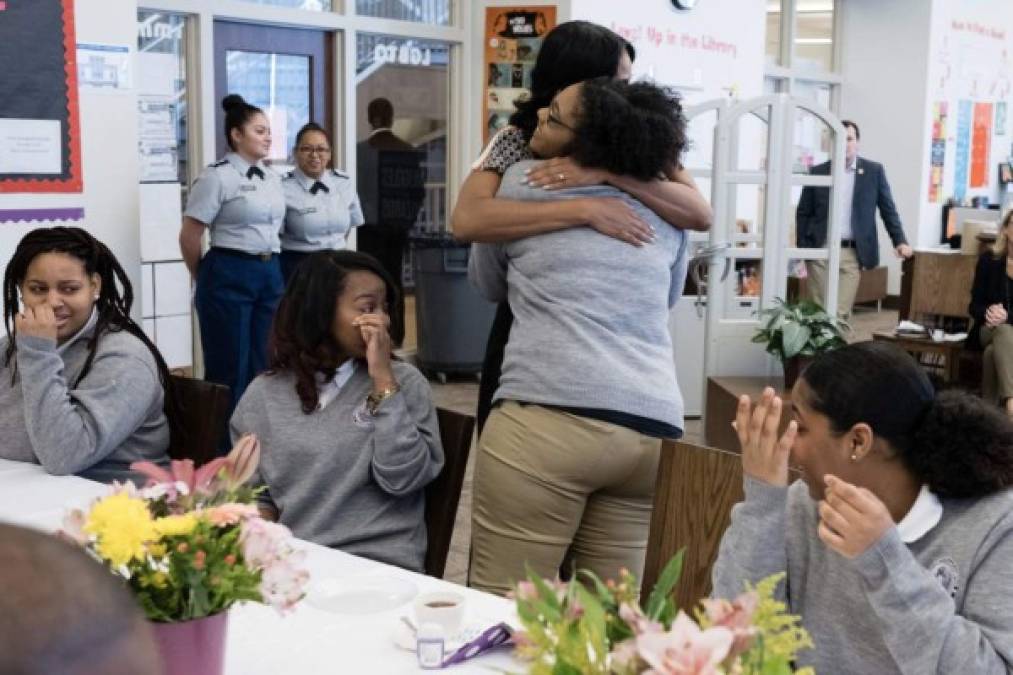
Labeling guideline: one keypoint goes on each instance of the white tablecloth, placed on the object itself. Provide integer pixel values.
(309, 640)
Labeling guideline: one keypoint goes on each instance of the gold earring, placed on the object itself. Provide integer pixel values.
(854, 457)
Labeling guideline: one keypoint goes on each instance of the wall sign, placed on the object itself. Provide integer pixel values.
(513, 36)
(39, 114)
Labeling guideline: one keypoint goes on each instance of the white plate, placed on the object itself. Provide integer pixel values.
(361, 595)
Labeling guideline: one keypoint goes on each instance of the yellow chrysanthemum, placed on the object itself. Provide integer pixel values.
(171, 526)
(122, 525)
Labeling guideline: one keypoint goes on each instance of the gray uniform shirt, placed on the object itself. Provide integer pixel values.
(590, 312)
(341, 477)
(941, 604)
(242, 213)
(96, 429)
(321, 221)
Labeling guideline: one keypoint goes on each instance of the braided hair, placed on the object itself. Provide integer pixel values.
(113, 307)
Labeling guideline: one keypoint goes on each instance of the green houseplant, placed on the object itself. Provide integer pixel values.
(797, 332)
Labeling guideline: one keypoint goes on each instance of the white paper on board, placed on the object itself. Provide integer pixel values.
(161, 213)
(30, 146)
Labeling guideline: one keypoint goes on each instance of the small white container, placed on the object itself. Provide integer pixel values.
(430, 646)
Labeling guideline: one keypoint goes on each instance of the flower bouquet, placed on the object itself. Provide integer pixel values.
(590, 627)
(189, 545)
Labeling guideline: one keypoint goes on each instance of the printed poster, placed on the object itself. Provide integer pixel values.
(937, 154)
(962, 155)
(1000, 118)
(981, 141)
(513, 36)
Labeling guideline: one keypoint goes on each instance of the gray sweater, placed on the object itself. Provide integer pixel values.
(341, 477)
(941, 604)
(112, 418)
(590, 312)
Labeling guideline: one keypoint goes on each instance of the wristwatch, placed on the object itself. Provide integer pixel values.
(375, 398)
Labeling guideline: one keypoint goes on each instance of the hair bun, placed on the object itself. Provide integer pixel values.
(233, 101)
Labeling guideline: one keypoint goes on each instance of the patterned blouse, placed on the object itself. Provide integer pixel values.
(506, 148)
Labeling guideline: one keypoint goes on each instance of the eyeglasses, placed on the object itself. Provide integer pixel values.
(314, 150)
(555, 120)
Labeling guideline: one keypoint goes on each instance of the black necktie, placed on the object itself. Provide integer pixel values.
(317, 187)
(255, 171)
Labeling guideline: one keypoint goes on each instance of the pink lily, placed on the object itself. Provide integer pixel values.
(242, 462)
(736, 616)
(685, 649)
(181, 473)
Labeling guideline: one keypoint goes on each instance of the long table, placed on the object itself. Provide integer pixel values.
(308, 640)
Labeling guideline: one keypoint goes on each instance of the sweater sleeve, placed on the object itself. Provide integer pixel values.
(754, 545)
(407, 452)
(72, 430)
(919, 621)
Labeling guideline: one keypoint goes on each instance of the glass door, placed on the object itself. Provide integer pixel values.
(288, 72)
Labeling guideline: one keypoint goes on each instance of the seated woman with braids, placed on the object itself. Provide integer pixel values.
(81, 387)
(898, 540)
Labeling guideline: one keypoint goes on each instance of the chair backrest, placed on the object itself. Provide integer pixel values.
(202, 420)
(444, 493)
(696, 489)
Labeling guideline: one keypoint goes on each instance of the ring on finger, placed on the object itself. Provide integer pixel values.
(562, 177)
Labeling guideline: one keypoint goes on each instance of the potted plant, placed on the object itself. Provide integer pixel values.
(189, 545)
(796, 333)
(590, 627)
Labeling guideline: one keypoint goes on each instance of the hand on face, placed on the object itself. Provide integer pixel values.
(563, 172)
(375, 333)
(38, 321)
(851, 518)
(764, 455)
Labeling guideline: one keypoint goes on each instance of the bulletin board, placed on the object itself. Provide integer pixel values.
(40, 144)
(513, 37)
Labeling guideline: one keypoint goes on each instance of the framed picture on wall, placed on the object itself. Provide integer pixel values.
(40, 144)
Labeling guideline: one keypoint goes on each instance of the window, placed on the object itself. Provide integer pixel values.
(436, 12)
(311, 5)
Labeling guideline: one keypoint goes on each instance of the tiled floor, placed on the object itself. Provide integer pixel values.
(461, 394)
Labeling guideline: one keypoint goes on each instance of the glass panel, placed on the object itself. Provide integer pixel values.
(774, 32)
(161, 97)
(750, 143)
(421, 11)
(742, 292)
(280, 85)
(749, 204)
(402, 95)
(700, 151)
(812, 144)
(814, 36)
(311, 5)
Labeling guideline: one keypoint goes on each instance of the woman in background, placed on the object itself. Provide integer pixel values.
(239, 201)
(321, 205)
(82, 388)
(990, 310)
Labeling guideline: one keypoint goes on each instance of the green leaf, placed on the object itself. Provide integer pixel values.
(795, 338)
(660, 594)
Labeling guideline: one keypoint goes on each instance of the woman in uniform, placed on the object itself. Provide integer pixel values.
(321, 204)
(239, 283)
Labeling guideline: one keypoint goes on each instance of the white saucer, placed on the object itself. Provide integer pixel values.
(405, 638)
(361, 595)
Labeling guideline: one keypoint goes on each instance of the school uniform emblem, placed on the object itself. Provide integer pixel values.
(361, 417)
(945, 572)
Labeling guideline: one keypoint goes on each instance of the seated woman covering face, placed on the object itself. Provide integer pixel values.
(898, 542)
(568, 459)
(82, 388)
(349, 436)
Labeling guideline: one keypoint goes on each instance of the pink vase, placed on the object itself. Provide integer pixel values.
(194, 647)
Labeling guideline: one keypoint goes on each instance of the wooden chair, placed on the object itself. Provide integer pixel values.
(444, 493)
(696, 489)
(203, 419)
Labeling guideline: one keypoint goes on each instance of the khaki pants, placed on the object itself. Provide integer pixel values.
(554, 489)
(847, 287)
(997, 363)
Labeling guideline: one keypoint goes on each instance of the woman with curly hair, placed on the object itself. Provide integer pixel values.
(897, 541)
(568, 459)
(349, 436)
(572, 52)
(82, 388)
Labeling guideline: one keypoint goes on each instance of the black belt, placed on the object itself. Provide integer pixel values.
(848, 243)
(263, 257)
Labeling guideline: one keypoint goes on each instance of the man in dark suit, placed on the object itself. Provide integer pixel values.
(391, 187)
(865, 189)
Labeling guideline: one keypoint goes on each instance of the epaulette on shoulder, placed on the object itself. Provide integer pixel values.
(339, 174)
(290, 174)
(221, 162)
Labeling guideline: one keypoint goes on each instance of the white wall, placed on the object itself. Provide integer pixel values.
(108, 148)
(884, 58)
(970, 58)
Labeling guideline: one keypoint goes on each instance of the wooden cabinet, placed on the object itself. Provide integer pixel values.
(936, 283)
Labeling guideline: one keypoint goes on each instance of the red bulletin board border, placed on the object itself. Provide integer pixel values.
(75, 182)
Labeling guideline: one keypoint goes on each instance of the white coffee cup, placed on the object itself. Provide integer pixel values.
(444, 608)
